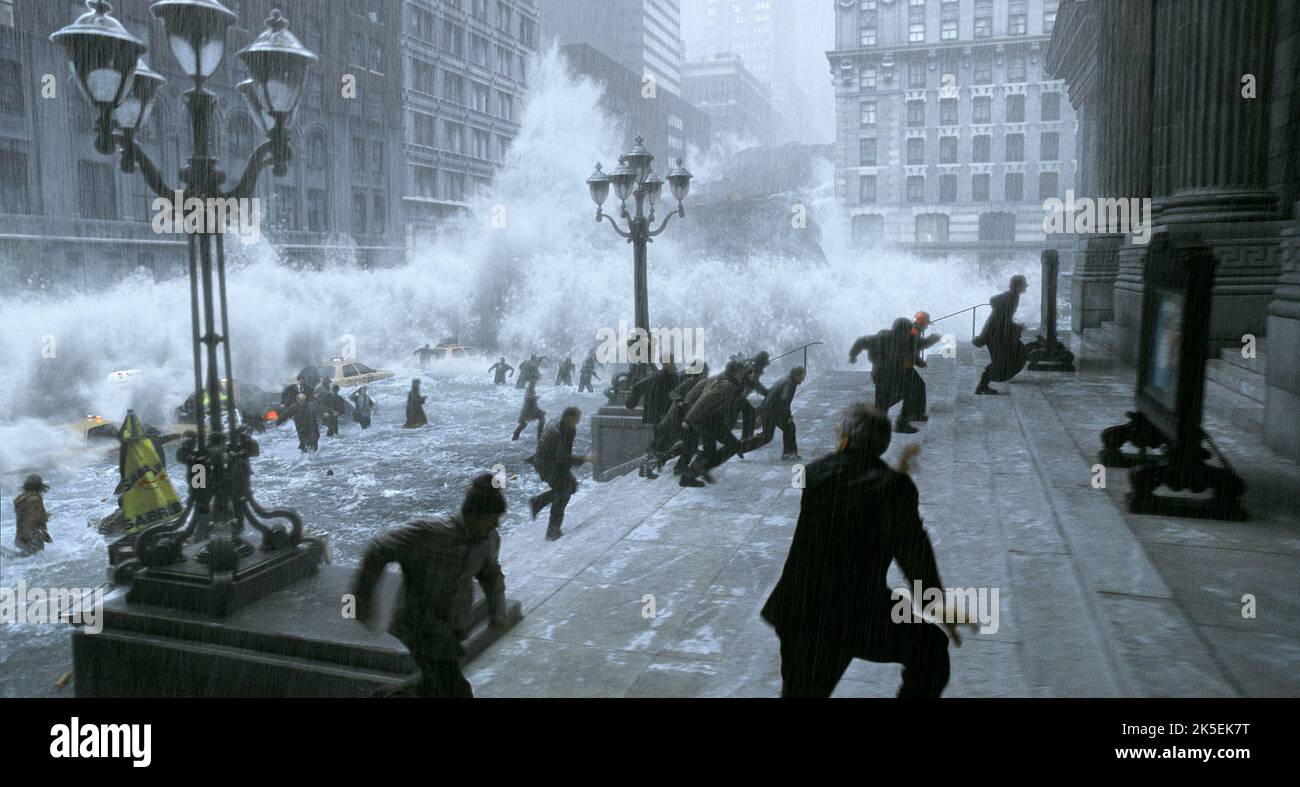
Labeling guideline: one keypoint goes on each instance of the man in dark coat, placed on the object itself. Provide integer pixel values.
(333, 405)
(911, 377)
(531, 411)
(656, 390)
(1001, 334)
(440, 560)
(708, 420)
(775, 413)
(555, 461)
(564, 375)
(363, 407)
(290, 393)
(500, 369)
(306, 421)
(833, 602)
(668, 440)
(891, 354)
(754, 368)
(426, 352)
(415, 416)
(31, 517)
(587, 373)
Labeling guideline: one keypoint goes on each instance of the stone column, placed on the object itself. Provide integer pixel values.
(1126, 84)
(1282, 358)
(1210, 157)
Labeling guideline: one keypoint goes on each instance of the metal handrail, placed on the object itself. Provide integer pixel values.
(797, 349)
(974, 310)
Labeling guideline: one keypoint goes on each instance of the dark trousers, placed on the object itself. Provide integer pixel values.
(748, 419)
(557, 497)
(812, 668)
(441, 677)
(789, 443)
(712, 432)
(891, 389)
(914, 402)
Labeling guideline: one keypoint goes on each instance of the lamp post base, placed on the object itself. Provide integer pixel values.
(192, 586)
(299, 642)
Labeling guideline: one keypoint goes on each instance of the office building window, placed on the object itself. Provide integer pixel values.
(916, 32)
(983, 18)
(948, 30)
(1050, 107)
(932, 228)
(1049, 146)
(1048, 185)
(916, 150)
(983, 69)
(981, 149)
(868, 113)
(979, 188)
(915, 113)
(948, 112)
(947, 150)
(11, 87)
(316, 214)
(14, 196)
(867, 152)
(1016, 68)
(868, 81)
(867, 189)
(1016, 108)
(359, 211)
(947, 188)
(1014, 187)
(1049, 19)
(1017, 17)
(982, 110)
(916, 75)
(97, 190)
(1015, 147)
(285, 208)
(916, 188)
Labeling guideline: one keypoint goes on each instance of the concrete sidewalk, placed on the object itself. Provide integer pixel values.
(655, 590)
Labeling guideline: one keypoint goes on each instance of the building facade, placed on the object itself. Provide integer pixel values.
(950, 133)
(466, 72)
(633, 48)
(737, 103)
(771, 37)
(67, 216)
(643, 36)
(1195, 106)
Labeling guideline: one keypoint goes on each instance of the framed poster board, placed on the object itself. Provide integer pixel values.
(1175, 334)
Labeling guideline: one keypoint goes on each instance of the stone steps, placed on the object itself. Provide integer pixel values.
(1235, 388)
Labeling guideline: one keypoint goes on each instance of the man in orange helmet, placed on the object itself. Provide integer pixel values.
(912, 380)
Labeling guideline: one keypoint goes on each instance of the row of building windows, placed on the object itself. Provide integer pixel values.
(1013, 187)
(1049, 110)
(950, 19)
(432, 183)
(430, 132)
(457, 89)
(918, 73)
(451, 37)
(981, 149)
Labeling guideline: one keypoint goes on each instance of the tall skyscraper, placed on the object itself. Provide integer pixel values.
(782, 43)
(950, 133)
(643, 36)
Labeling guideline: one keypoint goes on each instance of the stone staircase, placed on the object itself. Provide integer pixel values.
(1234, 387)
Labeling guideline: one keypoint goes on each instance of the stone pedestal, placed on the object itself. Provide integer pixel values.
(1282, 374)
(293, 643)
(619, 440)
(1092, 287)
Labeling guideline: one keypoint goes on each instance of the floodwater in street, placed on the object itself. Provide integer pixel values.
(526, 270)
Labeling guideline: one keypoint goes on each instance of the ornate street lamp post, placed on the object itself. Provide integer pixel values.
(634, 178)
(107, 61)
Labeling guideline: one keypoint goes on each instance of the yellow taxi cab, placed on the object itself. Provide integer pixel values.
(344, 373)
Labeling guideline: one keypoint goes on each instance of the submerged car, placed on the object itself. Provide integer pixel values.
(344, 374)
(254, 406)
